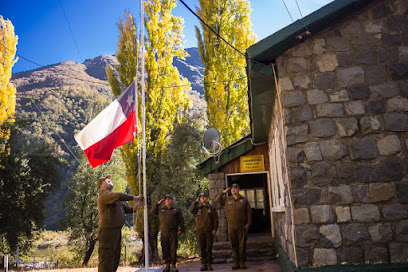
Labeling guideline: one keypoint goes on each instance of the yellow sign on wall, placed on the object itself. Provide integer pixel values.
(253, 163)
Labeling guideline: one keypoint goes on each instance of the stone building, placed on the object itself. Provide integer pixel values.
(329, 97)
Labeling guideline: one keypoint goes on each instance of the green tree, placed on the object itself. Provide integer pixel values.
(8, 48)
(167, 101)
(80, 203)
(28, 174)
(227, 100)
(180, 177)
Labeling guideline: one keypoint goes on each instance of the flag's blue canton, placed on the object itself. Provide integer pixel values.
(127, 99)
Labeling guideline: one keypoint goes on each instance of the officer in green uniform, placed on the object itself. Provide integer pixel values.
(111, 211)
(239, 218)
(171, 226)
(206, 226)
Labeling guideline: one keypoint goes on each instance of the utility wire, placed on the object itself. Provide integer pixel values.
(70, 29)
(210, 28)
(307, 32)
(290, 15)
(297, 4)
(27, 59)
(56, 132)
(104, 83)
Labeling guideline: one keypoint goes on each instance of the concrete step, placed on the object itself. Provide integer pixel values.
(267, 243)
(253, 254)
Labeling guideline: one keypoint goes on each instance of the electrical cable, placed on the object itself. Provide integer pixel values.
(297, 4)
(59, 136)
(104, 83)
(210, 28)
(70, 29)
(43, 66)
(290, 15)
(307, 32)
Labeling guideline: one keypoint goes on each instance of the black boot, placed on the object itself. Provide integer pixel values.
(166, 268)
(174, 268)
(209, 267)
(236, 265)
(242, 265)
(203, 267)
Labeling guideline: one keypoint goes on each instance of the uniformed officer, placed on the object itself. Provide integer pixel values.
(239, 218)
(171, 226)
(206, 226)
(111, 211)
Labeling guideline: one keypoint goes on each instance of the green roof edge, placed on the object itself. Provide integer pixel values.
(315, 22)
(228, 154)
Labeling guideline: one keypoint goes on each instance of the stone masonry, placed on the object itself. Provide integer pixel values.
(217, 185)
(345, 101)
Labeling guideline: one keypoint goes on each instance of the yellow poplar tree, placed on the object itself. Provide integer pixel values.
(126, 55)
(227, 100)
(8, 47)
(165, 100)
(165, 88)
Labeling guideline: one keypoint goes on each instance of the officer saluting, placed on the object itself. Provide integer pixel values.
(239, 218)
(206, 226)
(171, 226)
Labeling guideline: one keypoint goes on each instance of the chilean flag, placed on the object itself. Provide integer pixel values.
(116, 125)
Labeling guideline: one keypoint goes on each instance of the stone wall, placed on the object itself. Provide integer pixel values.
(217, 185)
(344, 93)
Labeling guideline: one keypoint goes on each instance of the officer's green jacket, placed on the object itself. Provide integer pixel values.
(171, 219)
(112, 210)
(237, 211)
(206, 216)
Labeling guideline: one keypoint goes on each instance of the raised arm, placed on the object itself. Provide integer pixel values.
(155, 208)
(193, 207)
(108, 197)
(221, 197)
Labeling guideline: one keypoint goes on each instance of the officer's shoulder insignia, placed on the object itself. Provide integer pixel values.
(241, 200)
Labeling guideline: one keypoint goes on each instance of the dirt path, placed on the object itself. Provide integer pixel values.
(260, 266)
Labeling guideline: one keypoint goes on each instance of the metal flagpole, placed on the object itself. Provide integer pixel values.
(142, 79)
(146, 225)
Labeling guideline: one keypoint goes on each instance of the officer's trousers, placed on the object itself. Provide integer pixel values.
(237, 236)
(205, 242)
(169, 247)
(109, 249)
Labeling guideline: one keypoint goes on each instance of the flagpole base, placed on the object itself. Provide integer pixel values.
(158, 269)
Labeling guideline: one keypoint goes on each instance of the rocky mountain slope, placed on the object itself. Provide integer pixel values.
(58, 98)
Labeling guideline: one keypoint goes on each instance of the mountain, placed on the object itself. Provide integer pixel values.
(58, 99)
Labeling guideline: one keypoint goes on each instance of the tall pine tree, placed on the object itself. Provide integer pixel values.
(227, 100)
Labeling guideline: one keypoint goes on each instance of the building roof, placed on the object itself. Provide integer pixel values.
(261, 83)
(228, 154)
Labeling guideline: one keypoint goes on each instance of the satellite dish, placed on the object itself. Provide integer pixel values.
(211, 142)
(210, 136)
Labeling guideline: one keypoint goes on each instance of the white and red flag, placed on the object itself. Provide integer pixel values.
(114, 126)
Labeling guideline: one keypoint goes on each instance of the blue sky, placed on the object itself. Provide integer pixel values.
(45, 37)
